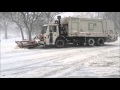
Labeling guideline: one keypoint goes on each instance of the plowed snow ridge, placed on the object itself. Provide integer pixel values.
(102, 61)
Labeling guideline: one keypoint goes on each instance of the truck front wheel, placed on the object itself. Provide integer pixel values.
(60, 43)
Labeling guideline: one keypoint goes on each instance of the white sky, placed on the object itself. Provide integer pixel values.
(66, 14)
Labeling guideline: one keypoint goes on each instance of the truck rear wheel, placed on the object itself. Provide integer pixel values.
(91, 42)
(60, 43)
(100, 41)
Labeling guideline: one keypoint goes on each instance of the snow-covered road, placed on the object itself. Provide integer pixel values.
(71, 62)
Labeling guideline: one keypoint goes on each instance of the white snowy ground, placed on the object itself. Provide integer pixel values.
(71, 62)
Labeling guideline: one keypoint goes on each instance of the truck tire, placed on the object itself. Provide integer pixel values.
(91, 42)
(60, 43)
(100, 41)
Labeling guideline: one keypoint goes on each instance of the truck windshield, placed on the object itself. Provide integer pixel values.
(53, 28)
(44, 29)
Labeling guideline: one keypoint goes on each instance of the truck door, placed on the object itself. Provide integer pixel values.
(52, 34)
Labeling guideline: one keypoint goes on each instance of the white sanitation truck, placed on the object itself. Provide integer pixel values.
(77, 31)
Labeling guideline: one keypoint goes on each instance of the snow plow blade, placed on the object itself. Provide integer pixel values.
(28, 44)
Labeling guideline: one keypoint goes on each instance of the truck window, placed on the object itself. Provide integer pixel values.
(53, 28)
(44, 29)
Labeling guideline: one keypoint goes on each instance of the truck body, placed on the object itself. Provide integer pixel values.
(77, 31)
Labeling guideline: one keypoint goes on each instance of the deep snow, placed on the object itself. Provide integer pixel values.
(95, 62)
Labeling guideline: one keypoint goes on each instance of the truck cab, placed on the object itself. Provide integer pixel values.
(49, 33)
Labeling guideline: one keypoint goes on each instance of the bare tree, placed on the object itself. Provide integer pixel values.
(29, 18)
(16, 17)
(50, 15)
(115, 16)
(5, 22)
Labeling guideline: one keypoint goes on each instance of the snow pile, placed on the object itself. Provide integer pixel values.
(102, 61)
(7, 45)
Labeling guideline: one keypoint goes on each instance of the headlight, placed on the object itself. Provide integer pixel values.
(37, 40)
